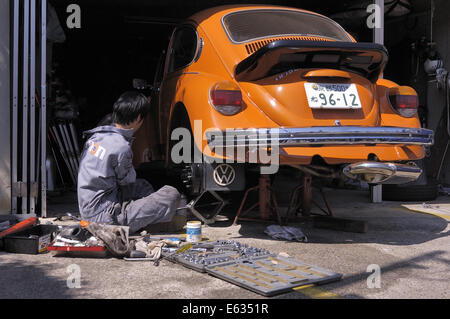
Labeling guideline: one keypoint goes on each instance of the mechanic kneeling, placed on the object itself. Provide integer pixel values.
(108, 191)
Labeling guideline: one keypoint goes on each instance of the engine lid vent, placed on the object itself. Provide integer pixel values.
(255, 46)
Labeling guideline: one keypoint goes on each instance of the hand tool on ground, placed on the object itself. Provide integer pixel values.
(203, 245)
(83, 222)
(137, 255)
(73, 217)
(178, 251)
(32, 221)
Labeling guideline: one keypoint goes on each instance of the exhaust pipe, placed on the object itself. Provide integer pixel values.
(383, 173)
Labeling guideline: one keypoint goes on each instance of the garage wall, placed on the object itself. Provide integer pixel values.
(5, 168)
(436, 98)
(399, 37)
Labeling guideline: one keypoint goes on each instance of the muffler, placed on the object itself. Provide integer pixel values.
(383, 173)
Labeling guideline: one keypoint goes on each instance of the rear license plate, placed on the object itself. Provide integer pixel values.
(332, 96)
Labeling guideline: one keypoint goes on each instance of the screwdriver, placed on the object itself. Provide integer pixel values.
(178, 251)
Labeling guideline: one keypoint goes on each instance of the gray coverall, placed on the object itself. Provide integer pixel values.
(108, 191)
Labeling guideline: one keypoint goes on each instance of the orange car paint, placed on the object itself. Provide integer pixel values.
(269, 102)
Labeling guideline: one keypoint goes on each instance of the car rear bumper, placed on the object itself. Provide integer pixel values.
(320, 136)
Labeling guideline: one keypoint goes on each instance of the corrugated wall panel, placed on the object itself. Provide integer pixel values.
(5, 153)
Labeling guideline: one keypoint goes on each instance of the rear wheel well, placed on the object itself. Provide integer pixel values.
(179, 118)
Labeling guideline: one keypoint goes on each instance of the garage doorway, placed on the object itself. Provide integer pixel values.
(87, 67)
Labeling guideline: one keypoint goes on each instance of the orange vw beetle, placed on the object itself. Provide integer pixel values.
(241, 79)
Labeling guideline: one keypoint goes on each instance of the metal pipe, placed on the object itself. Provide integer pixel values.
(382, 173)
(71, 148)
(307, 170)
(15, 120)
(57, 165)
(32, 105)
(26, 26)
(75, 140)
(378, 33)
(68, 150)
(63, 153)
(43, 107)
(38, 155)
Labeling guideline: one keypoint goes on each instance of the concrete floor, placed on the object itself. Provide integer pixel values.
(412, 250)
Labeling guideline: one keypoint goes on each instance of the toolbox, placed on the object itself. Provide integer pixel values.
(33, 240)
(78, 252)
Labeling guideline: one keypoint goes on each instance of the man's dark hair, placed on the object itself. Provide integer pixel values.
(129, 106)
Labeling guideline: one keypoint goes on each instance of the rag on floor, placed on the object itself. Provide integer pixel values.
(152, 249)
(115, 238)
(286, 232)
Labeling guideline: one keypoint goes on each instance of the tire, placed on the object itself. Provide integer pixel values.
(193, 188)
(412, 193)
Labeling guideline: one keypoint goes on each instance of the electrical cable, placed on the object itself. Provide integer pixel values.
(447, 99)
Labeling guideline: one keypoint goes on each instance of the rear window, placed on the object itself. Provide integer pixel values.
(245, 26)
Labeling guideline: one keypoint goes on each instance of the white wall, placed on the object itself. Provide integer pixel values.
(5, 168)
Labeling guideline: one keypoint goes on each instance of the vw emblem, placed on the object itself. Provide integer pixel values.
(224, 174)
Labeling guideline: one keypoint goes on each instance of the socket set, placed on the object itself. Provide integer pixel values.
(251, 268)
(211, 253)
(271, 274)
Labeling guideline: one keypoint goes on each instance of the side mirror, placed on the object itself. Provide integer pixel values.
(141, 84)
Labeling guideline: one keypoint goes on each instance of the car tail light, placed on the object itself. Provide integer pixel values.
(404, 100)
(226, 98)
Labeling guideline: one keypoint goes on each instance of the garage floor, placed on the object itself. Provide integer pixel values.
(412, 249)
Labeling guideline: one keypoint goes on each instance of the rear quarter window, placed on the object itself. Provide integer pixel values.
(184, 47)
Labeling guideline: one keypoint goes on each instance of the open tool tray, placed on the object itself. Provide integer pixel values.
(271, 275)
(219, 251)
(252, 268)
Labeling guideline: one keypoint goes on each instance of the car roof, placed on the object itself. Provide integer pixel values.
(220, 11)
(210, 21)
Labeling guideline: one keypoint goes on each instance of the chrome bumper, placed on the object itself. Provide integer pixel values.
(320, 136)
(383, 173)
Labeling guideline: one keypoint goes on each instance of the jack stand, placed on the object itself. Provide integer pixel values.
(267, 203)
(208, 218)
(326, 220)
(304, 205)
